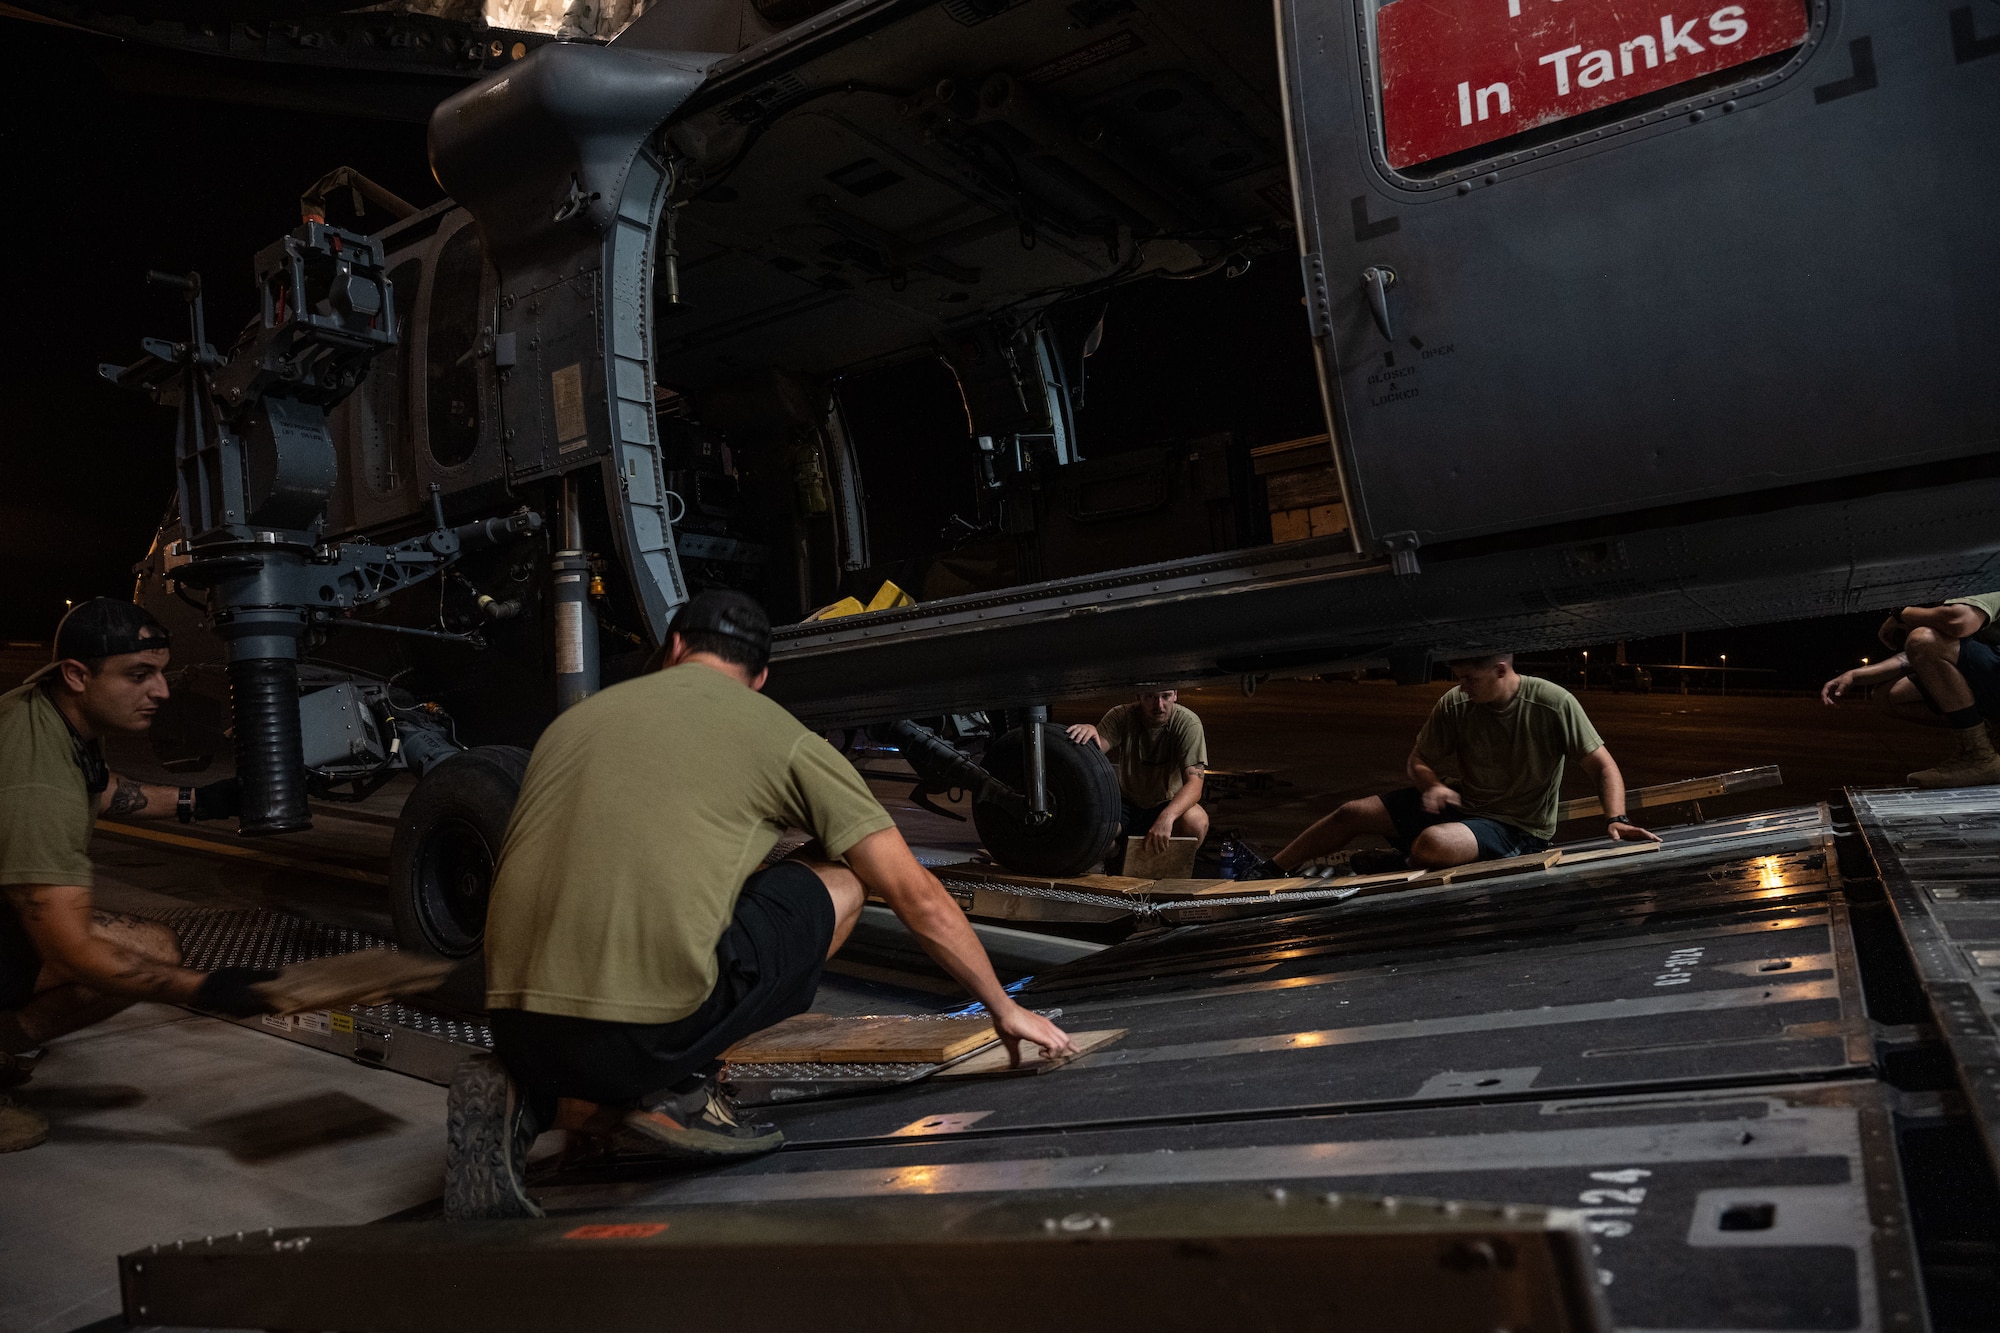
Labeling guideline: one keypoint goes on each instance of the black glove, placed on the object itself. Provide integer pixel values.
(219, 800)
(227, 991)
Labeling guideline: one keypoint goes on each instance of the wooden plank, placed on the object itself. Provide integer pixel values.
(1671, 793)
(1506, 865)
(989, 874)
(992, 1063)
(1369, 881)
(1284, 456)
(1291, 525)
(1326, 520)
(1174, 861)
(1303, 488)
(878, 1039)
(1611, 853)
(1225, 888)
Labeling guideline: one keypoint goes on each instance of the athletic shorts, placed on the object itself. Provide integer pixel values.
(1979, 664)
(1136, 821)
(767, 969)
(20, 964)
(1497, 839)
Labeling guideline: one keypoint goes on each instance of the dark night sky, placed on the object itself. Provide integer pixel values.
(108, 183)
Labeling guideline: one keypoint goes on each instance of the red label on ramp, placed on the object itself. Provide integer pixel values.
(1458, 73)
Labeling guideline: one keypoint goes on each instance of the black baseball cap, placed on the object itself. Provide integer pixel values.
(104, 627)
(733, 615)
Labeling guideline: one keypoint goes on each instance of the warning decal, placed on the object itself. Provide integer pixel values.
(566, 389)
(1458, 73)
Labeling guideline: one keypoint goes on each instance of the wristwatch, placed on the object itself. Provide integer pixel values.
(184, 805)
(1610, 820)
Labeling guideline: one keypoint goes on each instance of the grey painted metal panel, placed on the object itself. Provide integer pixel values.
(1780, 280)
(1651, 1174)
(1307, 606)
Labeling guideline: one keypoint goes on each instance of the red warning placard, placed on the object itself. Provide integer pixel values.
(1456, 73)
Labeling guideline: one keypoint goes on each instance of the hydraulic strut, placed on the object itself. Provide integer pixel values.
(941, 766)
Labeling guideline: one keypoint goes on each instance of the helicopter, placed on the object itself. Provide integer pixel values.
(1620, 330)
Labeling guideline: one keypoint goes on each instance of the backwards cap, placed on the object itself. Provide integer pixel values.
(733, 615)
(104, 627)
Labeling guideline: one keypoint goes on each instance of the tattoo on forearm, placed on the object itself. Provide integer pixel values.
(127, 798)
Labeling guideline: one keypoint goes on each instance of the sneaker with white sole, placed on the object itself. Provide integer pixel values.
(696, 1124)
(489, 1128)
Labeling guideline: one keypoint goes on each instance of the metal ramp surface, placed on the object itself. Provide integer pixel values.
(1772, 1207)
(1939, 857)
(410, 1039)
(1680, 1046)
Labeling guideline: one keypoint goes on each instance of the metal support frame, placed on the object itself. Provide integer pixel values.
(1037, 764)
(574, 623)
(557, 160)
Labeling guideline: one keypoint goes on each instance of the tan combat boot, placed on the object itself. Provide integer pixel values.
(1976, 765)
(19, 1127)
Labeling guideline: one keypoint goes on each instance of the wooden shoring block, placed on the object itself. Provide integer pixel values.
(987, 874)
(992, 1063)
(1382, 883)
(1506, 865)
(1174, 861)
(1225, 888)
(1671, 793)
(1611, 853)
(878, 1039)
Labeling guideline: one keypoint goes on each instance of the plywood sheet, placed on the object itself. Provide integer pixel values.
(881, 1039)
(1174, 861)
(992, 1063)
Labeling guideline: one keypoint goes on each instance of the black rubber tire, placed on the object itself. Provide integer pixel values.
(447, 843)
(1083, 808)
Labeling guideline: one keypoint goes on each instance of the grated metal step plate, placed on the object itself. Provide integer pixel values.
(401, 1037)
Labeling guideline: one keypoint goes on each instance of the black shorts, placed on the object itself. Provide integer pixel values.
(20, 964)
(1497, 839)
(1136, 821)
(767, 969)
(1979, 664)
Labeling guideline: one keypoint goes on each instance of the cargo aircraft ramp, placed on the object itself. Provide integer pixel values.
(1738, 1067)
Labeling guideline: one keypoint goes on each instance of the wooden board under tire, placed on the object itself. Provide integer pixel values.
(883, 1039)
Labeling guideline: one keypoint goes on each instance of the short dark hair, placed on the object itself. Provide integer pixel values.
(727, 624)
